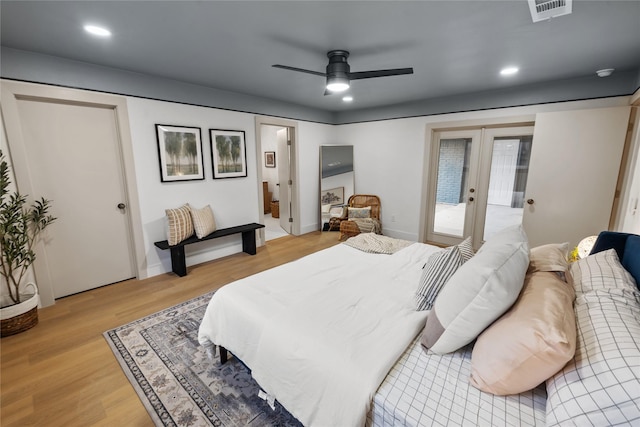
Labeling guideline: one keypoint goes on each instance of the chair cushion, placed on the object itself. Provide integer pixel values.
(359, 212)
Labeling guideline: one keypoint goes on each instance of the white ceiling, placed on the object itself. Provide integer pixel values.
(455, 47)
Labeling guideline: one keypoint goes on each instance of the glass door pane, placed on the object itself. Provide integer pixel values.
(509, 169)
(452, 179)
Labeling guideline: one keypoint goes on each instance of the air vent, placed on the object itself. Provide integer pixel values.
(542, 10)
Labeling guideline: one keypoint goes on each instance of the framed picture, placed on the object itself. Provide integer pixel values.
(335, 196)
(180, 153)
(228, 153)
(270, 159)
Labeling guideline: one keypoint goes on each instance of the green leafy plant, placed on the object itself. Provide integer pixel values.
(20, 226)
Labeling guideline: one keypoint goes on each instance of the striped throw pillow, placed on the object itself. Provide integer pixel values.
(180, 224)
(435, 274)
(203, 221)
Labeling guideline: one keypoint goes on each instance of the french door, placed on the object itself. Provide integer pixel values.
(477, 182)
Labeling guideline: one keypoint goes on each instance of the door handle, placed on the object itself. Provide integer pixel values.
(471, 199)
(121, 206)
(530, 201)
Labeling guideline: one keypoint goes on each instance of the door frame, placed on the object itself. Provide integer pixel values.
(11, 91)
(294, 172)
(455, 125)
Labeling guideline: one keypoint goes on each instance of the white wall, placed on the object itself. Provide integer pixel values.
(234, 201)
(391, 158)
(310, 137)
(270, 143)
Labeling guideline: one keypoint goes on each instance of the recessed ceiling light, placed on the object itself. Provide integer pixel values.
(509, 71)
(605, 73)
(347, 98)
(97, 31)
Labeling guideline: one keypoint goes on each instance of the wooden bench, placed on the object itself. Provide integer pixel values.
(178, 263)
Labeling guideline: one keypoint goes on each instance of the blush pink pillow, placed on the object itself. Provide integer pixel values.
(530, 342)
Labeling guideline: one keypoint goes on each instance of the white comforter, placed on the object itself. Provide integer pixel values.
(321, 333)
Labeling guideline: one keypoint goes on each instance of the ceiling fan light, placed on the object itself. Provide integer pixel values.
(337, 84)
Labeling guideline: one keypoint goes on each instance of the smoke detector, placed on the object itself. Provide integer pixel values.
(542, 10)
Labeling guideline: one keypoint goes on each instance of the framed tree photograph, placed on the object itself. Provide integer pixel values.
(270, 159)
(228, 153)
(180, 153)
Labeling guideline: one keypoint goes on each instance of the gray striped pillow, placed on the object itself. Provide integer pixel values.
(466, 249)
(435, 274)
(180, 224)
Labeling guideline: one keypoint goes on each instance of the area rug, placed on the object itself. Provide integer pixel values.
(176, 381)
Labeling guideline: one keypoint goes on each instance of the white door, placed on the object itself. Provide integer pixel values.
(504, 161)
(575, 163)
(284, 178)
(477, 178)
(74, 159)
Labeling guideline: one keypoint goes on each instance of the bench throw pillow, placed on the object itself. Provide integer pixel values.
(203, 221)
(180, 224)
(479, 292)
(530, 342)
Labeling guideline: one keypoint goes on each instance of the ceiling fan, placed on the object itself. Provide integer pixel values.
(338, 72)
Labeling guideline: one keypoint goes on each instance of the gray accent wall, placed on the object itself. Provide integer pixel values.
(37, 68)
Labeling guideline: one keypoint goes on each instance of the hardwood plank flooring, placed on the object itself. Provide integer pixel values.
(63, 373)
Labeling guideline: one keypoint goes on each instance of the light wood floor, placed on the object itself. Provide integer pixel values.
(63, 373)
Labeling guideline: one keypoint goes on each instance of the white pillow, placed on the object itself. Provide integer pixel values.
(602, 270)
(601, 384)
(480, 291)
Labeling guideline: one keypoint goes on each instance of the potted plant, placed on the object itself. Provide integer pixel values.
(20, 226)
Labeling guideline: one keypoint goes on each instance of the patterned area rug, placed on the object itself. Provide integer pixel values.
(176, 381)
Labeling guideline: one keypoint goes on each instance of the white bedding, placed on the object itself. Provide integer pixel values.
(320, 334)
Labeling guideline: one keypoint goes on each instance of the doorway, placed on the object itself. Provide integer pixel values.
(477, 182)
(276, 146)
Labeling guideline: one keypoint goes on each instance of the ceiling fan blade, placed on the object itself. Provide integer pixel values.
(301, 70)
(379, 73)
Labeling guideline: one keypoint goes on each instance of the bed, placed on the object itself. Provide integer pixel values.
(335, 337)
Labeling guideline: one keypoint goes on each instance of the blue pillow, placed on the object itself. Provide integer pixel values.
(631, 257)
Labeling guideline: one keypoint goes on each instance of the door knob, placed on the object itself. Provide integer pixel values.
(121, 206)
(471, 190)
(530, 201)
(471, 199)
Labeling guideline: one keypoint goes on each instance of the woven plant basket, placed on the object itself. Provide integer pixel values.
(20, 317)
(275, 209)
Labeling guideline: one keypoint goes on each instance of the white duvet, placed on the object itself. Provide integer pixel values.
(321, 333)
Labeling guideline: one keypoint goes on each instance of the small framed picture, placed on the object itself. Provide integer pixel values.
(270, 159)
(180, 153)
(228, 153)
(334, 196)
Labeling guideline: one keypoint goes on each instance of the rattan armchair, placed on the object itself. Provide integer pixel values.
(351, 228)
